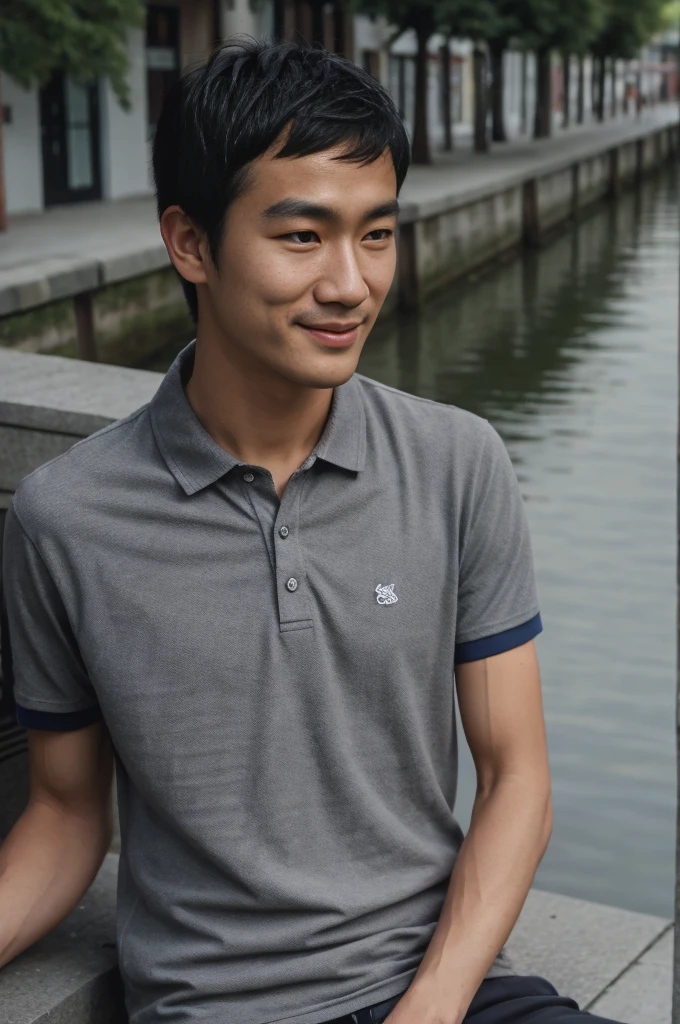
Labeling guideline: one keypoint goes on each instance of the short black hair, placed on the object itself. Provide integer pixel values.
(222, 115)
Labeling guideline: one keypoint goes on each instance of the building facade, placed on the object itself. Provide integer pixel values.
(69, 142)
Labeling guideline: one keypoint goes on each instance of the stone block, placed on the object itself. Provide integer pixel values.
(643, 995)
(69, 396)
(70, 976)
(122, 265)
(24, 450)
(579, 947)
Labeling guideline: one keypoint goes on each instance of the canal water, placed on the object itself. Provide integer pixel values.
(571, 353)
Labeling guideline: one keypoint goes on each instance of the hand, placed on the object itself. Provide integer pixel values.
(424, 1003)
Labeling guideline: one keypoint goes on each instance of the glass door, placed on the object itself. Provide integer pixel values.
(69, 116)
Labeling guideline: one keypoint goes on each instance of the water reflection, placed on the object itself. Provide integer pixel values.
(571, 354)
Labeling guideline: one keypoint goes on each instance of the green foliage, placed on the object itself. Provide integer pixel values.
(554, 24)
(84, 38)
(670, 15)
(627, 26)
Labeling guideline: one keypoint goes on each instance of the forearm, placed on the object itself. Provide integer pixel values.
(46, 864)
(495, 867)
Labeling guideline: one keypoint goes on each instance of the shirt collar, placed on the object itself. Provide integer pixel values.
(196, 461)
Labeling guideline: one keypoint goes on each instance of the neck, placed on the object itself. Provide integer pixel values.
(264, 420)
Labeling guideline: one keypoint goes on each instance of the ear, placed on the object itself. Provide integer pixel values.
(186, 245)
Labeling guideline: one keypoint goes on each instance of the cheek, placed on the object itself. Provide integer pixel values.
(379, 272)
(265, 276)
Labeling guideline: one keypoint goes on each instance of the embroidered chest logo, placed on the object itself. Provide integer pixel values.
(386, 594)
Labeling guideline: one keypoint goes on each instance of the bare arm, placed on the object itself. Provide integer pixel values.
(57, 846)
(502, 715)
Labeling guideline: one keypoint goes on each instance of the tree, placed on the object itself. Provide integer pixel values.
(445, 57)
(84, 38)
(422, 17)
(476, 20)
(550, 25)
(626, 26)
(504, 25)
(461, 18)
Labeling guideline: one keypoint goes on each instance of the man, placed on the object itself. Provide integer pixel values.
(254, 590)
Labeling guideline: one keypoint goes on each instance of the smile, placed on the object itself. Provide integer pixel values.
(335, 337)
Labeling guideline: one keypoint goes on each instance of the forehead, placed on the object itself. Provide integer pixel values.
(321, 173)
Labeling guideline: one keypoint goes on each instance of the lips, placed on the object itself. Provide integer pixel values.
(335, 335)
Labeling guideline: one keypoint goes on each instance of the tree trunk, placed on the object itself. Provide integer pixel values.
(614, 76)
(581, 97)
(446, 96)
(279, 22)
(497, 54)
(601, 84)
(566, 89)
(543, 118)
(3, 203)
(317, 22)
(421, 138)
(481, 97)
(523, 99)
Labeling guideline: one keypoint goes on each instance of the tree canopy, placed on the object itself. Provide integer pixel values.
(84, 38)
(627, 25)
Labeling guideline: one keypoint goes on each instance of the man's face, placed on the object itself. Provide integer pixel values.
(306, 260)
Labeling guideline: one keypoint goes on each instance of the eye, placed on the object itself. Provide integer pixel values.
(386, 233)
(303, 237)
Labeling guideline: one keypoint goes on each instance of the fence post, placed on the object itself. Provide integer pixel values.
(86, 343)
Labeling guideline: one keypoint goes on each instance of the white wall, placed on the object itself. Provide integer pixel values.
(237, 18)
(23, 157)
(124, 147)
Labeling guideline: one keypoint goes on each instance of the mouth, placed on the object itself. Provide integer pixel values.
(335, 335)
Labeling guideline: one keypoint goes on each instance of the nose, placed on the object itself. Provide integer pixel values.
(342, 280)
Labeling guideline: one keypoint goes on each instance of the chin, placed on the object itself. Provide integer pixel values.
(327, 372)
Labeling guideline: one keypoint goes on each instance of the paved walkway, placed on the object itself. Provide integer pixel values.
(70, 249)
(462, 171)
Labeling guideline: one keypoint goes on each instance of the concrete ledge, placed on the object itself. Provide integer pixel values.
(70, 977)
(539, 165)
(643, 993)
(47, 403)
(584, 949)
(68, 396)
(615, 962)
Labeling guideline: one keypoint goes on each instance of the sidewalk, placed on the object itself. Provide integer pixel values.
(68, 250)
(463, 172)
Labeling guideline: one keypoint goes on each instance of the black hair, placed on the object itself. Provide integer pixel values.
(222, 115)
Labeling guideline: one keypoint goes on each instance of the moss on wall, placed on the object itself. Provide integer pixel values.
(133, 320)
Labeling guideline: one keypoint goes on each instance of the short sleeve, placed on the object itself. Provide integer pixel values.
(40, 656)
(497, 596)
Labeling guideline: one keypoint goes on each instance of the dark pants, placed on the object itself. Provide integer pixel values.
(512, 1000)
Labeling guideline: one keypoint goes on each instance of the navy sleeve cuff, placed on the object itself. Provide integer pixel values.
(475, 650)
(57, 721)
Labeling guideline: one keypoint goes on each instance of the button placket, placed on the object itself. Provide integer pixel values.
(294, 608)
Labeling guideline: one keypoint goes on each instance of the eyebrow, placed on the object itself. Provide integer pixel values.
(316, 211)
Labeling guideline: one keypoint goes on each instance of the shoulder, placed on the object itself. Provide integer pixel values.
(430, 428)
(57, 496)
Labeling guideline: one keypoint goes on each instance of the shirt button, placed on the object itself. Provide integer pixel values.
(292, 584)
(284, 531)
(248, 477)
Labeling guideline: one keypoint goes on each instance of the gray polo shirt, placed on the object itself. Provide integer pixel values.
(278, 681)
